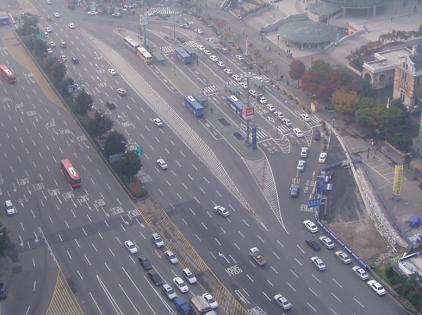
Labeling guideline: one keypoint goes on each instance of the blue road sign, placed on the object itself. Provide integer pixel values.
(254, 137)
(313, 203)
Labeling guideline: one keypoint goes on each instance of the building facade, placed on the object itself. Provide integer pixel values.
(408, 80)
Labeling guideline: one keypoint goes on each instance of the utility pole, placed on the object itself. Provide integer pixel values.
(143, 24)
(248, 104)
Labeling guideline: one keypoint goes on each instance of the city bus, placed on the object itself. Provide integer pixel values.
(131, 43)
(194, 106)
(144, 55)
(70, 173)
(235, 104)
(7, 74)
(183, 55)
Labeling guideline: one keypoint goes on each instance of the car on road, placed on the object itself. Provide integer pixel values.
(56, 14)
(213, 58)
(162, 164)
(311, 226)
(270, 107)
(210, 300)
(51, 43)
(9, 208)
(92, 13)
(207, 52)
(360, 272)
(189, 276)
(74, 60)
(262, 100)
(110, 105)
(201, 47)
(257, 257)
(298, 133)
(63, 44)
(343, 257)
(322, 157)
(305, 117)
(49, 2)
(157, 240)
(221, 64)
(145, 263)
(282, 302)
(199, 31)
(131, 247)
(326, 241)
(304, 152)
(121, 92)
(286, 121)
(244, 85)
(155, 277)
(294, 190)
(112, 71)
(301, 165)
(49, 51)
(49, 29)
(236, 77)
(181, 285)
(169, 292)
(240, 57)
(317, 135)
(313, 244)
(171, 257)
(158, 122)
(279, 114)
(377, 287)
(72, 26)
(319, 263)
(228, 71)
(221, 211)
(63, 58)
(253, 93)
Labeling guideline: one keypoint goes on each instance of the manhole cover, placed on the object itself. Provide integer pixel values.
(238, 136)
(224, 122)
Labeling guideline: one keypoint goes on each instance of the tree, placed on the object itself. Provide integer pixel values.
(311, 81)
(83, 103)
(64, 86)
(99, 125)
(115, 143)
(29, 27)
(297, 69)
(39, 47)
(129, 165)
(322, 68)
(57, 73)
(345, 101)
(5, 243)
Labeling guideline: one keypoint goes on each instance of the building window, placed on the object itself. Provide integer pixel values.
(402, 95)
(418, 81)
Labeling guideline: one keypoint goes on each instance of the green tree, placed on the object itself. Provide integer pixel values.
(129, 165)
(99, 125)
(57, 73)
(322, 68)
(345, 101)
(115, 143)
(64, 86)
(297, 69)
(5, 243)
(29, 27)
(83, 103)
(39, 47)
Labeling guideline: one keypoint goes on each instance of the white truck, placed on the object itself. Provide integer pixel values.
(200, 306)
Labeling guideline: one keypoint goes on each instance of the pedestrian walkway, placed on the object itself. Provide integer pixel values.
(166, 50)
(211, 90)
(163, 11)
(260, 134)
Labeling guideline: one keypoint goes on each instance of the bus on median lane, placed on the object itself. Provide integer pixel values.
(194, 106)
(70, 173)
(131, 43)
(144, 54)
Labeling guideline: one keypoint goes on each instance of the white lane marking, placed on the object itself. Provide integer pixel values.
(300, 248)
(95, 302)
(357, 301)
(241, 234)
(268, 298)
(294, 273)
(315, 277)
(260, 238)
(291, 287)
(270, 283)
(127, 296)
(249, 277)
(333, 311)
(263, 225)
(311, 307)
(276, 256)
(205, 227)
(113, 302)
(280, 243)
(217, 241)
(336, 282)
(313, 292)
(335, 296)
(273, 269)
(245, 222)
(300, 264)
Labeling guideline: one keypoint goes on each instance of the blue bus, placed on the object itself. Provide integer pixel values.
(235, 104)
(4, 20)
(183, 55)
(194, 106)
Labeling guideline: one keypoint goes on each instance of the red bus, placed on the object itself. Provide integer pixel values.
(71, 175)
(7, 74)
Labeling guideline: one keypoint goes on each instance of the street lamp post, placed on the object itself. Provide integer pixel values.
(248, 104)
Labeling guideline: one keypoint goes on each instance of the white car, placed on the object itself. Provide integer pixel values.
(327, 242)
(304, 152)
(244, 85)
(158, 122)
(162, 164)
(287, 122)
(283, 302)
(121, 92)
(72, 25)
(189, 276)
(322, 157)
(263, 100)
(131, 247)
(171, 257)
(236, 77)
(51, 43)
(221, 211)
(157, 240)
(311, 226)
(169, 292)
(253, 93)
(228, 71)
(181, 285)
(279, 114)
(49, 2)
(201, 47)
(48, 29)
(360, 272)
(270, 107)
(49, 51)
(207, 52)
(298, 133)
(221, 64)
(112, 71)
(377, 287)
(240, 57)
(92, 12)
(9, 208)
(213, 58)
(343, 257)
(305, 117)
(319, 263)
(56, 14)
(210, 300)
(301, 165)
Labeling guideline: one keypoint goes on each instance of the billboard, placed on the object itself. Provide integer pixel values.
(247, 112)
(398, 181)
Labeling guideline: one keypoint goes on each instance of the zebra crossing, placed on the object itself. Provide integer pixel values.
(192, 44)
(260, 134)
(210, 90)
(169, 49)
(166, 50)
(162, 11)
(315, 121)
(4, 51)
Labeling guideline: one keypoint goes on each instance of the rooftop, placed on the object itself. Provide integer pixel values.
(308, 32)
(417, 60)
(356, 3)
(387, 59)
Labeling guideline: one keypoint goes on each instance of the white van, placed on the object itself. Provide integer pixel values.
(10, 209)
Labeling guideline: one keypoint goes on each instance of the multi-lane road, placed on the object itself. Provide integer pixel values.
(83, 229)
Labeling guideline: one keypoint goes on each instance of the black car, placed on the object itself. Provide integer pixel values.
(294, 191)
(317, 135)
(145, 263)
(74, 60)
(3, 291)
(314, 245)
(110, 105)
(155, 277)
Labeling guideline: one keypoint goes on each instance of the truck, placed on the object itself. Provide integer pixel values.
(182, 306)
(257, 257)
(200, 306)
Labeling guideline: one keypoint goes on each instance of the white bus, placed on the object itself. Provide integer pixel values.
(131, 43)
(144, 55)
